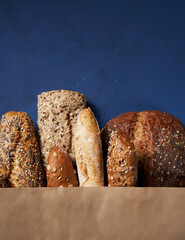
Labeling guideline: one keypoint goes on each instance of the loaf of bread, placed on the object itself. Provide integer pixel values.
(159, 141)
(121, 161)
(20, 161)
(4, 166)
(88, 150)
(60, 171)
(57, 116)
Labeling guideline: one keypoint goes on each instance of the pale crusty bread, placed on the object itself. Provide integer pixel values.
(57, 116)
(20, 161)
(88, 150)
(60, 171)
(121, 161)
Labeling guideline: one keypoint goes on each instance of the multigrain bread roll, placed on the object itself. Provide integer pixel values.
(60, 171)
(159, 141)
(20, 161)
(121, 161)
(4, 166)
(88, 150)
(57, 116)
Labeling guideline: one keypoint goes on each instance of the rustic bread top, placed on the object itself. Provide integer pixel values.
(20, 153)
(159, 140)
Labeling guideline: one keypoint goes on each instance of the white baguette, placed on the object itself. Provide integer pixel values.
(88, 150)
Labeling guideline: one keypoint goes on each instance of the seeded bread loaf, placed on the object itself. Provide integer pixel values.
(60, 171)
(159, 141)
(88, 150)
(121, 161)
(4, 166)
(57, 116)
(20, 161)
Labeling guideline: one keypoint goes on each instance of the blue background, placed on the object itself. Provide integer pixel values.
(123, 55)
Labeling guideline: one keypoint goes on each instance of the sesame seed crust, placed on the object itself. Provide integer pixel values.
(19, 152)
(159, 141)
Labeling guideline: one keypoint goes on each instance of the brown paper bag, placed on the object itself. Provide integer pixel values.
(92, 213)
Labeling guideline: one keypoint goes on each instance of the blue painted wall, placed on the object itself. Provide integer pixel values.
(123, 55)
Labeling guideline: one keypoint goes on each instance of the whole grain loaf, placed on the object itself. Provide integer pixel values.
(57, 115)
(159, 141)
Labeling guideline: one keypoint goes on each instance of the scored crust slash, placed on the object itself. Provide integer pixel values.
(134, 149)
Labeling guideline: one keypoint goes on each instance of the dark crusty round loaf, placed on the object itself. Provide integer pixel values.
(159, 140)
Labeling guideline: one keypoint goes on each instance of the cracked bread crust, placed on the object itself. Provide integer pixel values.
(57, 115)
(159, 140)
(20, 161)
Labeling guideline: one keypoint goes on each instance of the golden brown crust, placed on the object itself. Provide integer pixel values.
(20, 155)
(121, 161)
(89, 121)
(88, 150)
(159, 140)
(60, 171)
